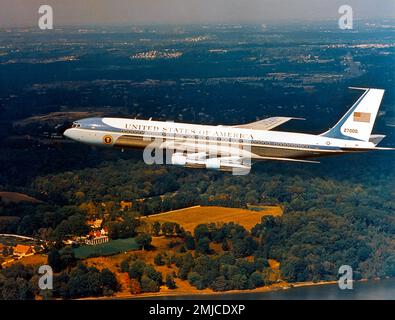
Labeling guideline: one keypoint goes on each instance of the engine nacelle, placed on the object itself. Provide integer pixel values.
(213, 163)
(227, 164)
(178, 159)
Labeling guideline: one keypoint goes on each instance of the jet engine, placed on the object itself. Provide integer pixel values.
(231, 164)
(178, 159)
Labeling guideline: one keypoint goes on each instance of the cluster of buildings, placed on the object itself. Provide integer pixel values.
(19, 251)
(97, 235)
(154, 54)
(196, 39)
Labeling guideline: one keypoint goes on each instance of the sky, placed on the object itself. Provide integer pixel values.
(131, 12)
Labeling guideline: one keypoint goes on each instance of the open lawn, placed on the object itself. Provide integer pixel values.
(106, 249)
(189, 218)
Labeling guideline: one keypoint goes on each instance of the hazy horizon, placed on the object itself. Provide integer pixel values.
(15, 13)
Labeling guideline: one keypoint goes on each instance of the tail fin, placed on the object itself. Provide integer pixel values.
(357, 123)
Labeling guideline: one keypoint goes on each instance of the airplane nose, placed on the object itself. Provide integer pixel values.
(71, 133)
(66, 133)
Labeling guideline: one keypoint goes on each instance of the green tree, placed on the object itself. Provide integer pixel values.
(16, 289)
(196, 280)
(109, 281)
(158, 260)
(168, 228)
(203, 246)
(170, 283)
(190, 242)
(156, 227)
(136, 269)
(220, 284)
(201, 231)
(54, 260)
(389, 266)
(124, 266)
(148, 285)
(256, 280)
(67, 258)
(179, 231)
(151, 273)
(144, 240)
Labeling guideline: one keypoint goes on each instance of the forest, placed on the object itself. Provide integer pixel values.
(326, 223)
(241, 263)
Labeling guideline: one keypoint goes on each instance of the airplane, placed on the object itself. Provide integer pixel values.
(234, 148)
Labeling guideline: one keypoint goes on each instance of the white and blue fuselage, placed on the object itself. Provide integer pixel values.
(256, 140)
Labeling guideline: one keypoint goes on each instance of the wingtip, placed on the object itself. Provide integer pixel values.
(358, 88)
(365, 89)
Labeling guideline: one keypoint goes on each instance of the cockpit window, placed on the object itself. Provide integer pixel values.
(76, 125)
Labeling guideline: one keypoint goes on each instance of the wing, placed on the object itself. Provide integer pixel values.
(266, 124)
(233, 156)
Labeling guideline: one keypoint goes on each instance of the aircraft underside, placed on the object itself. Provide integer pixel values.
(256, 152)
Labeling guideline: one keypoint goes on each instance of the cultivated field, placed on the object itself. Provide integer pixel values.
(189, 218)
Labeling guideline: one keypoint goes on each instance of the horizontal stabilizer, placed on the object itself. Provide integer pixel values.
(376, 138)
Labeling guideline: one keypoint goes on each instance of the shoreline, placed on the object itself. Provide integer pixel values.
(209, 292)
